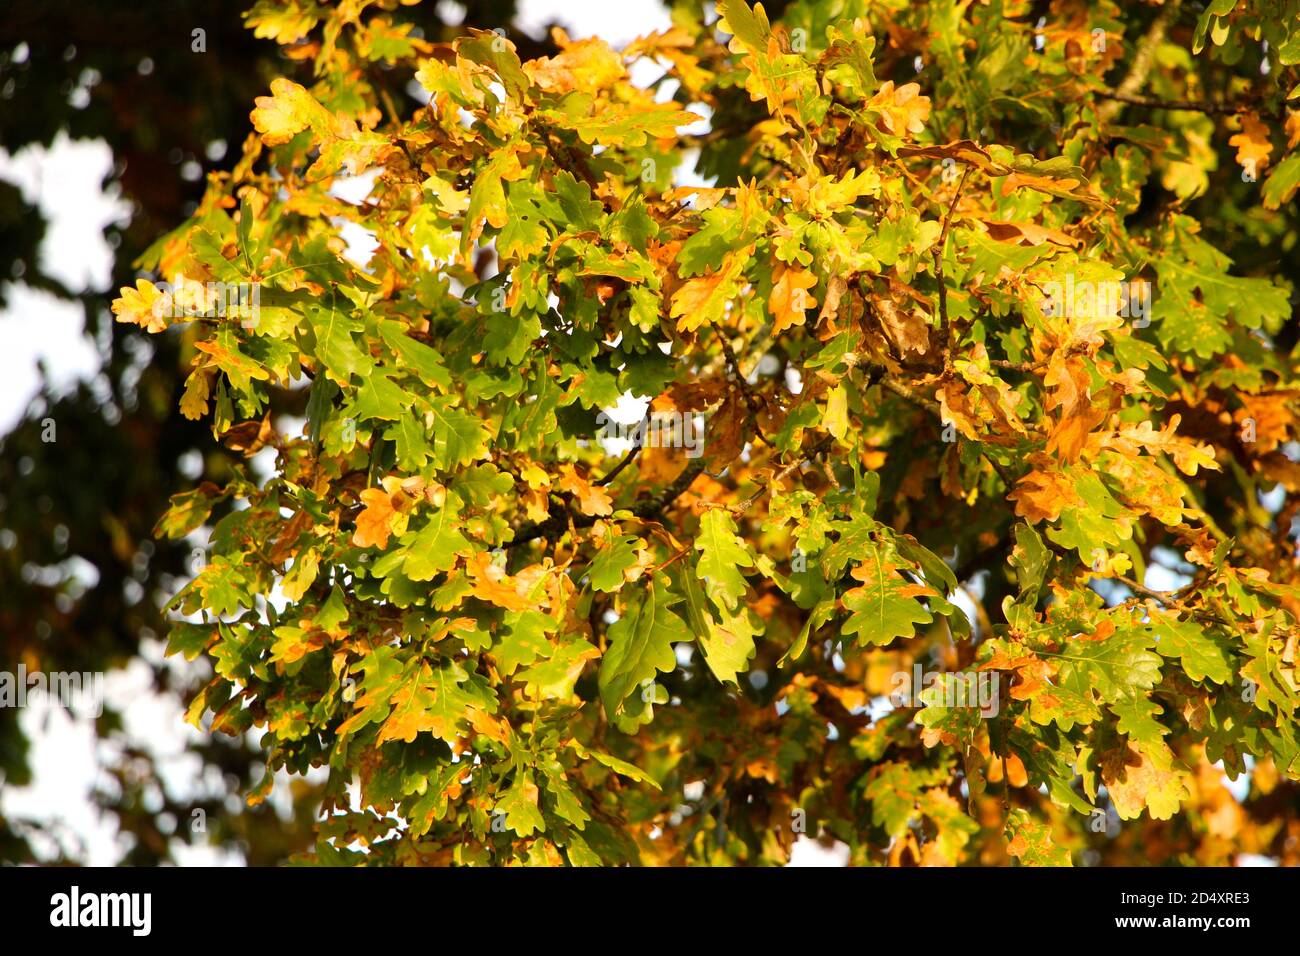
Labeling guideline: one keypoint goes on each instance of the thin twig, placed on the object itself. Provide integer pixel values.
(822, 443)
(905, 392)
(1210, 109)
(627, 459)
(1171, 599)
(564, 520)
(753, 403)
(939, 247)
(1164, 597)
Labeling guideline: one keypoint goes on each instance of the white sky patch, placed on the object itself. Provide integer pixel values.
(361, 242)
(700, 126)
(1161, 578)
(39, 327)
(629, 410)
(617, 23)
(964, 601)
(65, 181)
(645, 70)
(686, 174)
(1273, 499)
(808, 852)
(355, 189)
(63, 774)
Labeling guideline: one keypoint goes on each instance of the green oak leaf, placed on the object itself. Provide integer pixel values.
(1203, 655)
(434, 547)
(722, 554)
(726, 638)
(519, 804)
(640, 646)
(458, 436)
(884, 607)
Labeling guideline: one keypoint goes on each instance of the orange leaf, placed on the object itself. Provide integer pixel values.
(1043, 493)
(592, 500)
(375, 522)
(1253, 144)
(902, 110)
(790, 298)
(492, 584)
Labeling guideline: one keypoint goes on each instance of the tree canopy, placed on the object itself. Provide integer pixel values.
(951, 323)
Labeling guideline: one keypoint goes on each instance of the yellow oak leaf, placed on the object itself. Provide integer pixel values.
(702, 300)
(145, 305)
(288, 111)
(587, 65)
(194, 401)
(902, 110)
(1136, 781)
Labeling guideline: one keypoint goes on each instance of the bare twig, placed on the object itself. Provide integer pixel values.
(561, 521)
(1164, 597)
(942, 244)
(822, 444)
(1210, 109)
(906, 393)
(1171, 599)
(628, 458)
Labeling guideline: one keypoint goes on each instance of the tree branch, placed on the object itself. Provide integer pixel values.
(1171, 599)
(1211, 109)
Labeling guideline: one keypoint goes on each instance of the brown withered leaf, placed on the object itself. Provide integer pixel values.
(249, 437)
(902, 318)
(724, 434)
(1068, 386)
